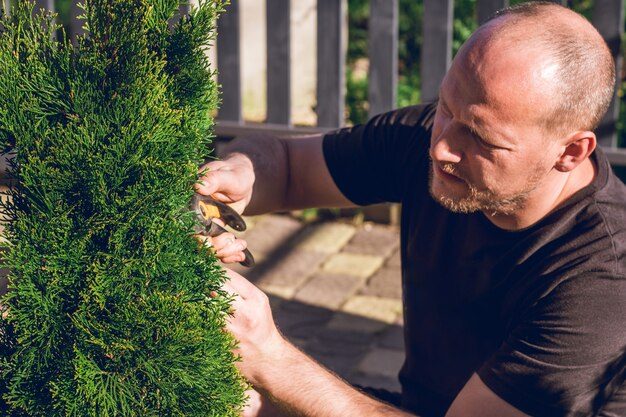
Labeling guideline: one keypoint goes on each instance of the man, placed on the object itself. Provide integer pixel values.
(513, 232)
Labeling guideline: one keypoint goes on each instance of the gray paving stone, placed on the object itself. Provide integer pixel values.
(386, 282)
(375, 381)
(374, 239)
(392, 338)
(382, 362)
(329, 291)
(351, 336)
(304, 309)
(299, 342)
(326, 237)
(252, 221)
(339, 364)
(355, 264)
(284, 276)
(300, 320)
(394, 259)
(354, 323)
(280, 291)
(270, 233)
(275, 302)
(380, 309)
(340, 347)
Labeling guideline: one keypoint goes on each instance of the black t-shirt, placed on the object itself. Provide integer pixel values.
(539, 314)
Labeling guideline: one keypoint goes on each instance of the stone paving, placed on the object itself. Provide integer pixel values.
(335, 292)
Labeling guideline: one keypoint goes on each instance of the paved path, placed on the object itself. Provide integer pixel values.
(335, 292)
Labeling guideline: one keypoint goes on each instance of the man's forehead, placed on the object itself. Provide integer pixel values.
(511, 81)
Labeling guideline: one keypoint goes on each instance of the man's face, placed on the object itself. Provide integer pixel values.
(489, 148)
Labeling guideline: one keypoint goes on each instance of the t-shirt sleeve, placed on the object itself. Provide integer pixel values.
(374, 162)
(566, 356)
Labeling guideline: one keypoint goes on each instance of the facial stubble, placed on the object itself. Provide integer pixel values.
(485, 200)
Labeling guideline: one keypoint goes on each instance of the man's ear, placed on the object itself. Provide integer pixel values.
(577, 148)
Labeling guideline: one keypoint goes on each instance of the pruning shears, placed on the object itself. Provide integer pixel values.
(207, 209)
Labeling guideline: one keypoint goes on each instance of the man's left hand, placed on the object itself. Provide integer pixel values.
(252, 324)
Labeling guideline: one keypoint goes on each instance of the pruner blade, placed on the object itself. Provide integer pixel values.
(207, 209)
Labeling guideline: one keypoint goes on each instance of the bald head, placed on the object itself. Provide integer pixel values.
(566, 59)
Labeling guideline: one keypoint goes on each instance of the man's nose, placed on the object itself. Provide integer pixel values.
(442, 149)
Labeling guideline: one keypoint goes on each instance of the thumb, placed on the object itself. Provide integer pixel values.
(209, 183)
(222, 184)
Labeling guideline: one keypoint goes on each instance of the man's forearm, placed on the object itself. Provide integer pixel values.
(302, 387)
(269, 159)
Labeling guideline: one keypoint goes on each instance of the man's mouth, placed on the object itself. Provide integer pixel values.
(446, 175)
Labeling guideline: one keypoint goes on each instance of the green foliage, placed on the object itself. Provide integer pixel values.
(410, 39)
(107, 312)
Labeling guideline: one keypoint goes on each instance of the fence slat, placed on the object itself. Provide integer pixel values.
(229, 63)
(383, 55)
(437, 48)
(616, 156)
(43, 4)
(184, 7)
(608, 18)
(486, 8)
(76, 25)
(331, 62)
(278, 62)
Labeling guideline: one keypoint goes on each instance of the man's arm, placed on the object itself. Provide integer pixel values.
(298, 385)
(477, 400)
(265, 173)
(312, 391)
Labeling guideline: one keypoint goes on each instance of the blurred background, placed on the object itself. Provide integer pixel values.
(303, 49)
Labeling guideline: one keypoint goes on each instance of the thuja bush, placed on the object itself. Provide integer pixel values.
(107, 312)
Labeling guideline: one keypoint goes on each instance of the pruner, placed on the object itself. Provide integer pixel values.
(207, 209)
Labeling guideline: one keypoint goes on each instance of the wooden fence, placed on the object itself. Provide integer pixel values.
(608, 17)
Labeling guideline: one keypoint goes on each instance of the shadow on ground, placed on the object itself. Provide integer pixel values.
(327, 309)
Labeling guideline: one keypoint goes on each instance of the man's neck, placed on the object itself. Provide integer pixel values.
(547, 197)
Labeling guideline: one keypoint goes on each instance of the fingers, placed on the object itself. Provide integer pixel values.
(221, 179)
(237, 303)
(226, 247)
(229, 182)
(240, 285)
(234, 286)
(254, 404)
(229, 248)
(205, 185)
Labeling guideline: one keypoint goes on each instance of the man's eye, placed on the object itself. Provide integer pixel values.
(482, 142)
(444, 108)
(487, 144)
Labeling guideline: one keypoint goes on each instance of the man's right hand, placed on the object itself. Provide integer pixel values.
(229, 181)
(286, 174)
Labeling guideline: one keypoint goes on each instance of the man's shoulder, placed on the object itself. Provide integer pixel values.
(376, 161)
(405, 122)
(607, 208)
(410, 116)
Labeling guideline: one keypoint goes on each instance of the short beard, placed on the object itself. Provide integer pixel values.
(485, 200)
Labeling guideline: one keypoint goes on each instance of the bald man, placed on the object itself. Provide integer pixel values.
(513, 236)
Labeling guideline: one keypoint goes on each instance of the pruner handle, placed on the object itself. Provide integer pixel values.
(216, 230)
(207, 209)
